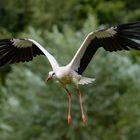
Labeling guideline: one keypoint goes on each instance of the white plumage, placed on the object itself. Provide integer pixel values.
(122, 37)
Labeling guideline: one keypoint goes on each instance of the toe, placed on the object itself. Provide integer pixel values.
(84, 119)
(69, 119)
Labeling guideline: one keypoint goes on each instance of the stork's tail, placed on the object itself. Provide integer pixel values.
(86, 80)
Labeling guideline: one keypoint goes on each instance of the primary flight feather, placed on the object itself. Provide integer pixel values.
(121, 37)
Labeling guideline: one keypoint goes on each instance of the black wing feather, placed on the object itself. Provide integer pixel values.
(36, 51)
(130, 34)
(9, 53)
(90, 51)
(6, 57)
(132, 25)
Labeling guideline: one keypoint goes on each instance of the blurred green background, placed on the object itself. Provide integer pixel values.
(30, 109)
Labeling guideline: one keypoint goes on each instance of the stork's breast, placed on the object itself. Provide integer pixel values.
(64, 77)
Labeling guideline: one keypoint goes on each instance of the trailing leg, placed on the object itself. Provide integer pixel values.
(81, 107)
(69, 106)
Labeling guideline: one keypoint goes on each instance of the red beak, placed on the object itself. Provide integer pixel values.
(49, 78)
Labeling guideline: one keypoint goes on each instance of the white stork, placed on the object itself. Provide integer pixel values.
(121, 37)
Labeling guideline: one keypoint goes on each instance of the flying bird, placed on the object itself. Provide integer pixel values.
(116, 38)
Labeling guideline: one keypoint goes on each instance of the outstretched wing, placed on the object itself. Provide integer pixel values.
(21, 50)
(122, 37)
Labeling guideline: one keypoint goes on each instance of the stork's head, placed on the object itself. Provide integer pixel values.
(51, 75)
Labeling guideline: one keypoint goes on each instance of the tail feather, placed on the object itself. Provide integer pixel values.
(86, 80)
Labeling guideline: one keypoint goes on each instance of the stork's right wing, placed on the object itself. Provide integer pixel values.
(122, 37)
(21, 50)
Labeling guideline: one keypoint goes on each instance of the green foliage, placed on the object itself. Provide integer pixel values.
(17, 15)
(34, 110)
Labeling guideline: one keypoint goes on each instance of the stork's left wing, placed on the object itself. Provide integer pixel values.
(122, 37)
(21, 50)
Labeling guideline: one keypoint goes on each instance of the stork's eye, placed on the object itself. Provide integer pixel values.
(53, 74)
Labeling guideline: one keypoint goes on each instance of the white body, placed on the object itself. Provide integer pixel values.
(65, 75)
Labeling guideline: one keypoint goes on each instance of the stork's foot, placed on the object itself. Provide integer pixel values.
(84, 119)
(69, 119)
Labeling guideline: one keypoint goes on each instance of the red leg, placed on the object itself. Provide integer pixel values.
(81, 107)
(69, 107)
